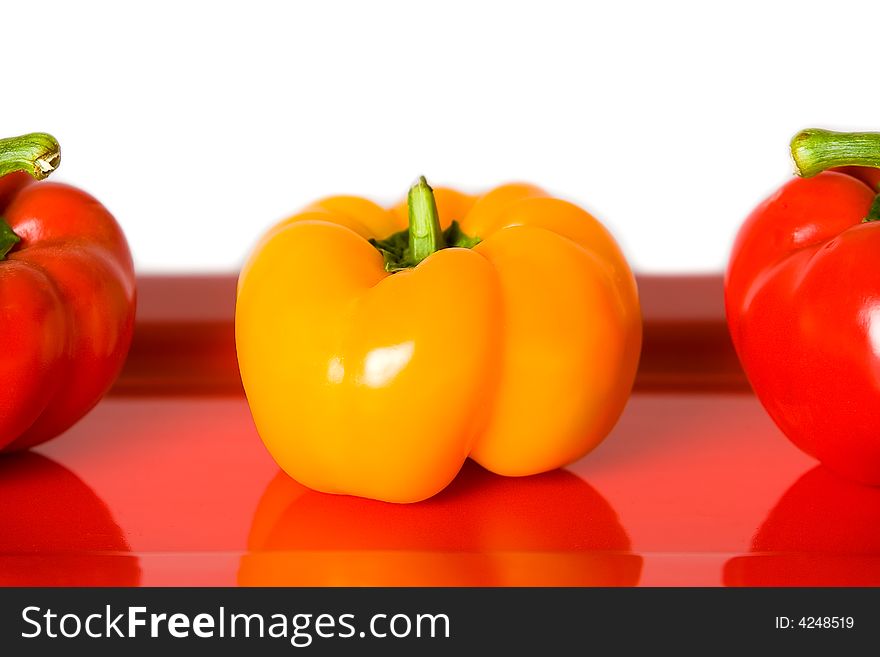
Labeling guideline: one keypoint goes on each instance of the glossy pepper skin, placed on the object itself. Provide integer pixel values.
(519, 352)
(803, 306)
(67, 302)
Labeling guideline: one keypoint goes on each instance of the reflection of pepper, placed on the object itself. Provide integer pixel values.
(551, 529)
(67, 297)
(803, 303)
(518, 346)
(822, 532)
(56, 531)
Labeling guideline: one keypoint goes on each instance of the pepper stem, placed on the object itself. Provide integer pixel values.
(37, 153)
(874, 212)
(8, 239)
(814, 150)
(425, 236)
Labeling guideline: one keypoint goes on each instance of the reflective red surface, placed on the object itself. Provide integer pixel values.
(692, 488)
(822, 532)
(482, 530)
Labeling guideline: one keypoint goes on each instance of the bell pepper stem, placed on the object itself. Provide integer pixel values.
(37, 153)
(874, 212)
(815, 150)
(407, 248)
(425, 236)
(8, 239)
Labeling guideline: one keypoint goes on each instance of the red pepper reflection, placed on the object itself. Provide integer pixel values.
(552, 529)
(824, 531)
(54, 530)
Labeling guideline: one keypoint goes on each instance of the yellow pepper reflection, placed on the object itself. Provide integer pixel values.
(552, 529)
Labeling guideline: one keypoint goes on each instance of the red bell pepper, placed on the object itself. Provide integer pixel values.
(67, 297)
(803, 302)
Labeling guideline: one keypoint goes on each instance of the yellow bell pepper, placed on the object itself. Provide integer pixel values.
(377, 356)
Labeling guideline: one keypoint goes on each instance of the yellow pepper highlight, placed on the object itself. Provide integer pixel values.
(371, 375)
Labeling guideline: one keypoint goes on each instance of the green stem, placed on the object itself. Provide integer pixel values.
(37, 153)
(406, 249)
(814, 150)
(874, 212)
(425, 236)
(8, 239)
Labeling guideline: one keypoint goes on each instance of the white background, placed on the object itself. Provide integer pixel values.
(201, 124)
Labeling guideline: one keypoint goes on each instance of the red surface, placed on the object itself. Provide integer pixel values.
(692, 488)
